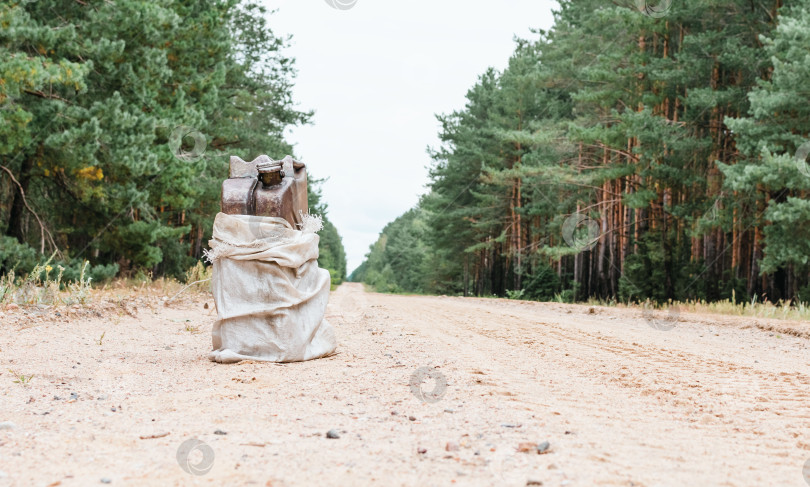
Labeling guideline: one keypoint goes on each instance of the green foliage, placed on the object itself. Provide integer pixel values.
(25, 261)
(99, 273)
(673, 140)
(542, 284)
(92, 105)
(398, 260)
(774, 176)
(512, 294)
(331, 254)
(16, 256)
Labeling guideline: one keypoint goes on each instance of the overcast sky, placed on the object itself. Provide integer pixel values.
(376, 74)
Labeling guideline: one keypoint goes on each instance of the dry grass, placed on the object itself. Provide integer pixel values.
(782, 310)
(43, 289)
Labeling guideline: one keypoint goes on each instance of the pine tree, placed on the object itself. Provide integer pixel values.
(773, 178)
(117, 120)
(628, 124)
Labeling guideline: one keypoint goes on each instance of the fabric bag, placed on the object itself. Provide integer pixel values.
(269, 292)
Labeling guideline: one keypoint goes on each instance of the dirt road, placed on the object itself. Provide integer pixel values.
(714, 401)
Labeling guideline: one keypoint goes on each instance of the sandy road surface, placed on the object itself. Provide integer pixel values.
(714, 401)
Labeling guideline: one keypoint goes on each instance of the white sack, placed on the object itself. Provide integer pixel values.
(270, 294)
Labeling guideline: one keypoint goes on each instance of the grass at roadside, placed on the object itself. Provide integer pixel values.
(782, 310)
(44, 288)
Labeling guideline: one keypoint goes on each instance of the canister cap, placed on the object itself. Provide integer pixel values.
(268, 165)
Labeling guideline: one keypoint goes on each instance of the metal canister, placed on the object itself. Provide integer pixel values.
(265, 187)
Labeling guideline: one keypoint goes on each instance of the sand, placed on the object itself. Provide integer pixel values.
(716, 400)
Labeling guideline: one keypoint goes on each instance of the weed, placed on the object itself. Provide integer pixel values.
(199, 273)
(7, 287)
(80, 290)
(515, 294)
(20, 378)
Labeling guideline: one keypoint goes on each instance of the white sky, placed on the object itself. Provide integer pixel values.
(376, 75)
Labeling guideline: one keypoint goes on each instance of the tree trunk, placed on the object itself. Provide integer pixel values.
(16, 225)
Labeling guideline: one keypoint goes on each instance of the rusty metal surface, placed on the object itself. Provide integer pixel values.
(237, 196)
(244, 194)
